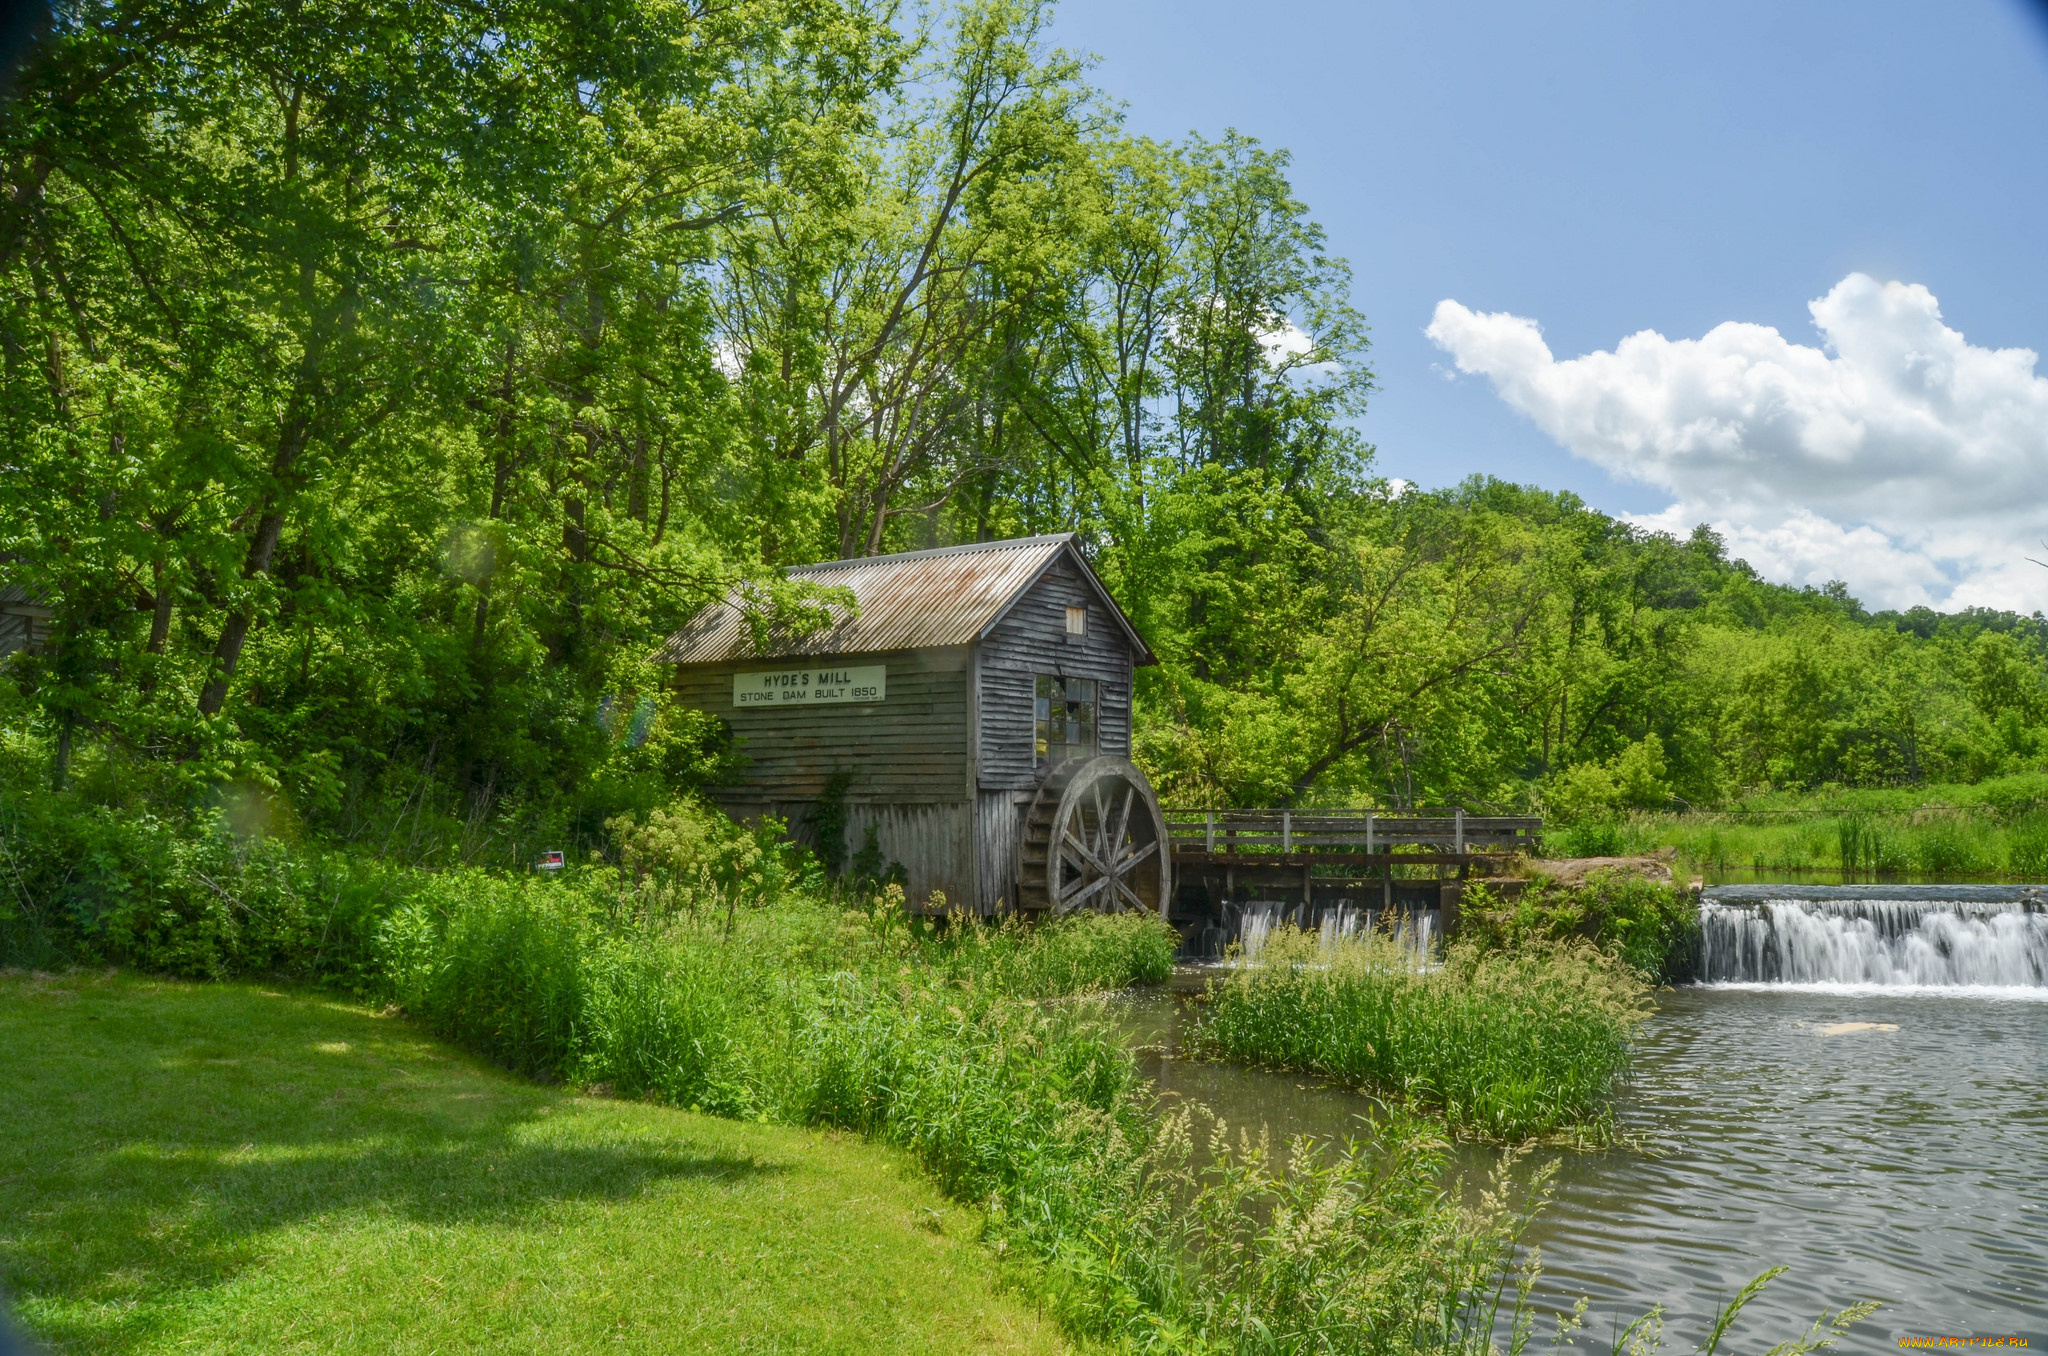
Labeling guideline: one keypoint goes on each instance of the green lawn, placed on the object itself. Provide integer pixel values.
(224, 1168)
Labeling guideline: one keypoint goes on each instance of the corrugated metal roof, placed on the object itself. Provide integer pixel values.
(950, 595)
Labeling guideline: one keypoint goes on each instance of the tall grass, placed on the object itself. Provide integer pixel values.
(1933, 841)
(1506, 1045)
(1032, 1110)
(1351, 1249)
(1996, 829)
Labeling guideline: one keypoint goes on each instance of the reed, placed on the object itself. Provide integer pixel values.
(1352, 1248)
(1082, 953)
(1505, 1045)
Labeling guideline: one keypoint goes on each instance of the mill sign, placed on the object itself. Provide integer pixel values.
(811, 687)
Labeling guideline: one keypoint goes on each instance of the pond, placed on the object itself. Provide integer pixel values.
(1859, 1105)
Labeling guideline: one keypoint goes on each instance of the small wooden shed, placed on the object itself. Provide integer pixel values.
(24, 620)
(974, 712)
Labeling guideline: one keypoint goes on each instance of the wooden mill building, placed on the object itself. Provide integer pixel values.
(973, 710)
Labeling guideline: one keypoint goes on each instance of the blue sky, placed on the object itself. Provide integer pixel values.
(1605, 169)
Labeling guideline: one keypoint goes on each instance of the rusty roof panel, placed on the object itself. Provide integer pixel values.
(946, 596)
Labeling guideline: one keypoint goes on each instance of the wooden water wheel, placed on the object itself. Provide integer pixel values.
(1094, 839)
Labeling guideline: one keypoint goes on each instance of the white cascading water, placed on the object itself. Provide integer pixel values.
(1416, 932)
(1255, 927)
(1422, 938)
(1887, 942)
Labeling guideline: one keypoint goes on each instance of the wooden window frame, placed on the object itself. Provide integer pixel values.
(1079, 701)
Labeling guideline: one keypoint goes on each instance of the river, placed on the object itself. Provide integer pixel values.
(1862, 1098)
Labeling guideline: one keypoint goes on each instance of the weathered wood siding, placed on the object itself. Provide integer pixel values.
(907, 756)
(1113, 716)
(912, 746)
(1032, 639)
(933, 843)
(1008, 753)
(998, 826)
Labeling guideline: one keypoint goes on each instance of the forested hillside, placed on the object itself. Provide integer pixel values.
(382, 380)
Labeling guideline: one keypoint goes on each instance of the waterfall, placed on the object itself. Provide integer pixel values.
(1864, 940)
(1255, 927)
(1338, 923)
(1333, 923)
(1425, 935)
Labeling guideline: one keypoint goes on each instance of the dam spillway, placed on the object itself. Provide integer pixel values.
(1885, 937)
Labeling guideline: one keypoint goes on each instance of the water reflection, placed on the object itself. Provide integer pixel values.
(1255, 1101)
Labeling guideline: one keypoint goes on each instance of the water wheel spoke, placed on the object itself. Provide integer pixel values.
(1089, 872)
(1124, 866)
(1080, 896)
(1123, 818)
(1116, 879)
(1083, 851)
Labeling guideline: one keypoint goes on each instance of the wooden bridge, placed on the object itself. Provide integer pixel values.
(1316, 856)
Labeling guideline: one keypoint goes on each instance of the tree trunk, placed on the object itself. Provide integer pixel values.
(228, 652)
(501, 477)
(60, 767)
(575, 539)
(160, 618)
(636, 482)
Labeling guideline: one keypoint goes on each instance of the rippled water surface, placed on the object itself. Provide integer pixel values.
(1908, 1165)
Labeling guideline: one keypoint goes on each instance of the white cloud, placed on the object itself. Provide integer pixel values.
(727, 358)
(1285, 347)
(1286, 344)
(1801, 547)
(1898, 457)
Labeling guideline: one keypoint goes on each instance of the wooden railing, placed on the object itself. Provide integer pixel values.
(1252, 833)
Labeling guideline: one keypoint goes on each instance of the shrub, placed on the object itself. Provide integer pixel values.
(1648, 924)
(1632, 779)
(187, 898)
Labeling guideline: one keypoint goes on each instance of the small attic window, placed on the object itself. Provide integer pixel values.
(1077, 621)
